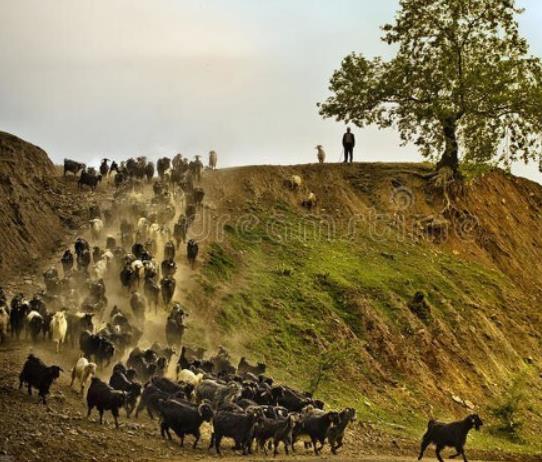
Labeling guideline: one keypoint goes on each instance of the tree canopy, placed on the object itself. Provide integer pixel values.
(461, 83)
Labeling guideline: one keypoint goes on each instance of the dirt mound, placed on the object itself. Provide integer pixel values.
(37, 206)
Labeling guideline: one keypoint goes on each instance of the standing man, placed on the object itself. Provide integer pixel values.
(348, 144)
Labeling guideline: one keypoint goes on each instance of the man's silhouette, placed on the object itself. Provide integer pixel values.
(348, 144)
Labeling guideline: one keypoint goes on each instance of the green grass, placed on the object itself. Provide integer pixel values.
(292, 297)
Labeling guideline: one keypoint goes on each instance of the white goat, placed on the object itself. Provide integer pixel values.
(96, 228)
(295, 182)
(99, 270)
(143, 227)
(59, 327)
(83, 371)
(187, 376)
(321, 154)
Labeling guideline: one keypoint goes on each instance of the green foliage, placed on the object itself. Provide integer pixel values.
(331, 360)
(219, 263)
(462, 78)
(508, 410)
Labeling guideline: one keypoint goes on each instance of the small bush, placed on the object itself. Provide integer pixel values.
(508, 410)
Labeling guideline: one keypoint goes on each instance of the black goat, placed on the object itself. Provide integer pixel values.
(36, 374)
(150, 397)
(244, 366)
(453, 435)
(183, 419)
(278, 430)
(239, 427)
(335, 433)
(96, 346)
(192, 250)
(119, 381)
(72, 166)
(105, 398)
(316, 428)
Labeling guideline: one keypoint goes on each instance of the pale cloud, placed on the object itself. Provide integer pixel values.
(84, 78)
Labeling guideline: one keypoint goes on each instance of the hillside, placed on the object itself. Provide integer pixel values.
(324, 297)
(37, 207)
(304, 290)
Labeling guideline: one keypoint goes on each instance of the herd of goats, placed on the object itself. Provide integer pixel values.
(137, 232)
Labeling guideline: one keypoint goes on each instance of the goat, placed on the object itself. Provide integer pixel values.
(212, 160)
(83, 371)
(453, 435)
(59, 328)
(105, 398)
(321, 154)
(316, 428)
(184, 419)
(36, 374)
(335, 433)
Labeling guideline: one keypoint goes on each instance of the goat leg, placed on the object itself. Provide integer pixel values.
(315, 446)
(197, 435)
(425, 442)
(437, 452)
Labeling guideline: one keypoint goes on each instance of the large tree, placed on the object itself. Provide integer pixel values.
(462, 80)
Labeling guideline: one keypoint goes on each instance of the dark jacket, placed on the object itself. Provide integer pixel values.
(349, 140)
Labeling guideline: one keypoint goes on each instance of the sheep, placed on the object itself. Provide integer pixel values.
(4, 320)
(59, 327)
(309, 202)
(96, 228)
(321, 154)
(83, 371)
(295, 182)
(453, 435)
(187, 376)
(36, 374)
(212, 160)
(105, 398)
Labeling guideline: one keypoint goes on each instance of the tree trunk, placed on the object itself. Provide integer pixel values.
(450, 157)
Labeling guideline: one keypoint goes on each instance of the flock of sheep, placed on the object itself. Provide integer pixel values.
(133, 260)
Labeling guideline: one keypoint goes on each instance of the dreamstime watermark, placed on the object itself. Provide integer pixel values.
(399, 224)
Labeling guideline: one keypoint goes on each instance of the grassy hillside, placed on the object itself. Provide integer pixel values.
(323, 297)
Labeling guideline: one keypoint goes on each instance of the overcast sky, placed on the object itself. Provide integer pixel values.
(91, 78)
